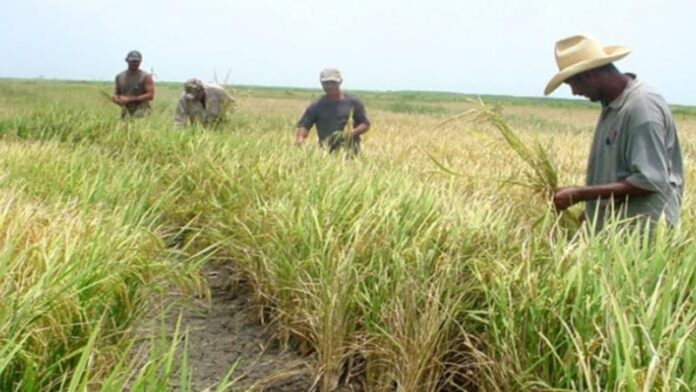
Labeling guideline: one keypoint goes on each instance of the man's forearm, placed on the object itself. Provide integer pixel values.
(360, 129)
(566, 197)
(141, 98)
(617, 190)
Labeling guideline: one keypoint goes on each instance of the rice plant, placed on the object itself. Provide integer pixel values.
(542, 174)
(385, 274)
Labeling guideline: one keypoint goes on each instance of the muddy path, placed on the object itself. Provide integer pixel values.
(226, 331)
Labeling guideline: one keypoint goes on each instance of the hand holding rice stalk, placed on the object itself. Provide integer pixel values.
(543, 176)
(111, 98)
(343, 138)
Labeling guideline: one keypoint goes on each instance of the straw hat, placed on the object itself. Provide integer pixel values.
(578, 54)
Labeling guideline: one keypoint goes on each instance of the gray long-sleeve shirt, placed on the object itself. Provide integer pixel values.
(209, 111)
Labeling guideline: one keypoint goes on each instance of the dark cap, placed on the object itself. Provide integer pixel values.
(134, 55)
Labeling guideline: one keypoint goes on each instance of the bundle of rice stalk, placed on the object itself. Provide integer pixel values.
(343, 138)
(542, 176)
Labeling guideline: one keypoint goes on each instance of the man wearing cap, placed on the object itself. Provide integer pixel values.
(331, 113)
(203, 103)
(134, 88)
(635, 164)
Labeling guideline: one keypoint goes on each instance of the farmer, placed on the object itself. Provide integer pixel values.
(203, 103)
(635, 164)
(134, 88)
(331, 113)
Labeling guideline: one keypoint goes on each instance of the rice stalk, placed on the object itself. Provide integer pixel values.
(343, 138)
(106, 96)
(542, 174)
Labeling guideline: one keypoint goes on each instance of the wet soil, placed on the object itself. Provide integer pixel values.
(225, 332)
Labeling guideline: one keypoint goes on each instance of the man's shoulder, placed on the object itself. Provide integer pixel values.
(140, 73)
(221, 90)
(644, 92)
(216, 90)
(317, 102)
(352, 98)
(644, 95)
(645, 104)
(212, 86)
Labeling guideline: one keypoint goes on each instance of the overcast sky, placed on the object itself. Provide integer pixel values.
(481, 47)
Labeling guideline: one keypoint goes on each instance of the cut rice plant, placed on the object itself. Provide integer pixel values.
(542, 174)
(343, 139)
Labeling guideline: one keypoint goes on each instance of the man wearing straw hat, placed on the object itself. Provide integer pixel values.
(135, 88)
(331, 114)
(203, 103)
(635, 163)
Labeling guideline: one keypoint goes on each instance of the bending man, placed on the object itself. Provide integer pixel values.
(635, 165)
(205, 103)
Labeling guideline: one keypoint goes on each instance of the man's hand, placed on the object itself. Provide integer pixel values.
(565, 197)
(120, 99)
(301, 135)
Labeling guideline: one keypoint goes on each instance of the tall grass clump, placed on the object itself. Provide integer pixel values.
(84, 231)
(61, 271)
(371, 274)
(611, 312)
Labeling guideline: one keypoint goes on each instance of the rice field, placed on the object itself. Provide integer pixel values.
(425, 264)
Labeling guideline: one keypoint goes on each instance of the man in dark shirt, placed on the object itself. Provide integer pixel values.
(331, 112)
(134, 88)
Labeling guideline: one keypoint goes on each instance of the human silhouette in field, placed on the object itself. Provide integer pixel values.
(635, 165)
(203, 103)
(331, 114)
(134, 88)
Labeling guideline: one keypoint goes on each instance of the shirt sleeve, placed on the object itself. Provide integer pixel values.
(359, 114)
(647, 157)
(309, 118)
(213, 107)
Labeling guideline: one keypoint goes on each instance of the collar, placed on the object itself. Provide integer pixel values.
(619, 101)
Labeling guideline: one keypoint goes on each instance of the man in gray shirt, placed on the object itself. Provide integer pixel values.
(635, 165)
(205, 103)
(331, 113)
(134, 88)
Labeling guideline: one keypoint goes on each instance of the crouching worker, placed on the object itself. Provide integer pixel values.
(205, 103)
(331, 114)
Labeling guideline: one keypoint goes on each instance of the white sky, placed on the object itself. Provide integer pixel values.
(482, 47)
